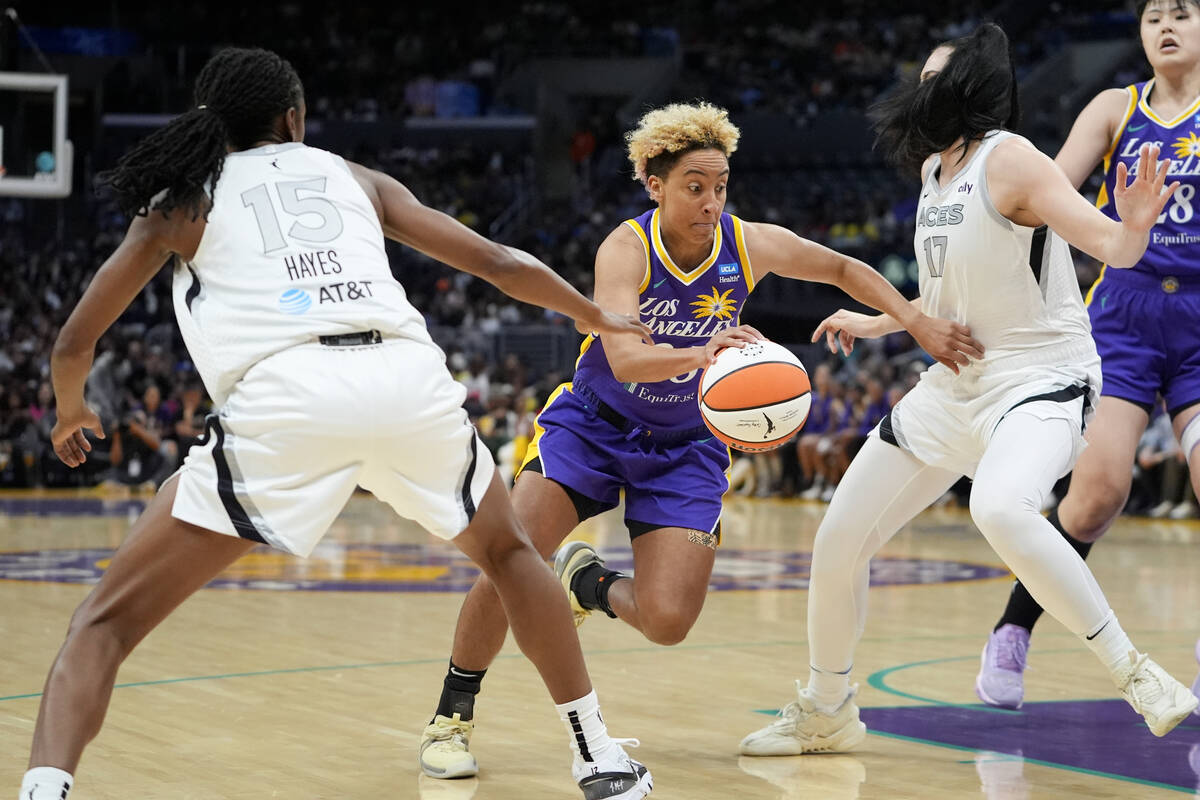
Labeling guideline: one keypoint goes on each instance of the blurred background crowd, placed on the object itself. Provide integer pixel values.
(512, 122)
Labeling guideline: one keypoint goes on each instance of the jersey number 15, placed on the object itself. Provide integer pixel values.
(317, 220)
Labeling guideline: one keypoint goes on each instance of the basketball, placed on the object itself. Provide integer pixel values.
(756, 397)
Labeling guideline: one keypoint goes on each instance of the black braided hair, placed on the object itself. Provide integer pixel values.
(240, 94)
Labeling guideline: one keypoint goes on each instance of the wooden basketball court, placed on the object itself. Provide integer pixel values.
(313, 679)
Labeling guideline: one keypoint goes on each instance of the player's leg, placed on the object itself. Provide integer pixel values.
(442, 477)
(1187, 428)
(541, 623)
(1029, 450)
(547, 513)
(882, 490)
(1099, 488)
(672, 510)
(664, 598)
(159, 565)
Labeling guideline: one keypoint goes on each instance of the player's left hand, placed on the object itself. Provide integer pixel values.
(1140, 202)
(949, 342)
(609, 322)
(70, 444)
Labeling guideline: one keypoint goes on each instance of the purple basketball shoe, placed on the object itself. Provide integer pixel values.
(1001, 672)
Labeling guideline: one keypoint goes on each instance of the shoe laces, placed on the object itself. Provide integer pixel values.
(1010, 651)
(1144, 685)
(450, 730)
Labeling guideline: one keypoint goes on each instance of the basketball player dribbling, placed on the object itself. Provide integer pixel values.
(1013, 420)
(325, 377)
(1145, 320)
(630, 420)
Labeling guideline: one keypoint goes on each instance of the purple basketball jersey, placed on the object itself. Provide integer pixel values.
(1146, 320)
(683, 309)
(1174, 249)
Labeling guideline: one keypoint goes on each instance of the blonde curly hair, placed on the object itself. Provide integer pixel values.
(677, 129)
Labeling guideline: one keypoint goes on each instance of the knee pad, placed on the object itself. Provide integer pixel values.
(1190, 437)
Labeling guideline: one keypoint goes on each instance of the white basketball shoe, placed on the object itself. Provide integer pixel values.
(1154, 694)
(445, 748)
(615, 776)
(802, 728)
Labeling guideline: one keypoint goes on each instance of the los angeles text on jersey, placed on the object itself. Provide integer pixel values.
(658, 314)
(1184, 153)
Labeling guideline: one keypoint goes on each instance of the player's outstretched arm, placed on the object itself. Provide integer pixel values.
(1092, 135)
(843, 327)
(147, 245)
(776, 249)
(1027, 188)
(514, 272)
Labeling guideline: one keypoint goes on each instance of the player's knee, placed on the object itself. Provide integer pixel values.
(1094, 510)
(834, 551)
(666, 623)
(102, 636)
(997, 514)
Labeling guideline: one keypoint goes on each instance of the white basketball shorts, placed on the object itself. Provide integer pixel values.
(948, 422)
(306, 425)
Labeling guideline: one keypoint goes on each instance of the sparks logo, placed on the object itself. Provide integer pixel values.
(1187, 146)
(718, 304)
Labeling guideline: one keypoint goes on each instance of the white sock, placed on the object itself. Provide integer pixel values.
(585, 726)
(828, 689)
(46, 783)
(1112, 646)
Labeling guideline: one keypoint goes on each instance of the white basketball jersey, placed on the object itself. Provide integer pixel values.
(1014, 286)
(293, 250)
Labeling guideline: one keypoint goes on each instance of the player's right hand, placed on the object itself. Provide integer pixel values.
(70, 444)
(738, 336)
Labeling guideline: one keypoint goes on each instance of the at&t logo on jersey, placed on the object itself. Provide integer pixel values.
(295, 301)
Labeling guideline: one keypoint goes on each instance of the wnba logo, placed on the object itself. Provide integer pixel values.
(295, 301)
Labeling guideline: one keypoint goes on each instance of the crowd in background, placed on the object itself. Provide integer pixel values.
(358, 65)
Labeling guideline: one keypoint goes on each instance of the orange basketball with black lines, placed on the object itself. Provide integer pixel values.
(755, 398)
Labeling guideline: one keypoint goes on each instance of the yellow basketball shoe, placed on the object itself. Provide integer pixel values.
(445, 748)
(802, 728)
(568, 561)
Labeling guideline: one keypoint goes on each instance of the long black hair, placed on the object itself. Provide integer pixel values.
(240, 94)
(976, 92)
